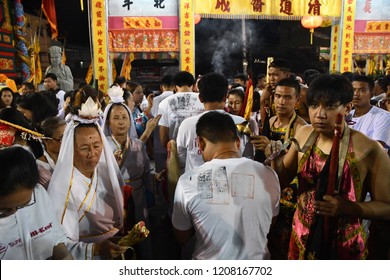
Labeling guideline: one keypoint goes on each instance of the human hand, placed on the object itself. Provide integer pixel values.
(330, 205)
(152, 123)
(109, 250)
(259, 142)
(160, 176)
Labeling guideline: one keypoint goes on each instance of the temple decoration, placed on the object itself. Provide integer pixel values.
(20, 41)
(311, 22)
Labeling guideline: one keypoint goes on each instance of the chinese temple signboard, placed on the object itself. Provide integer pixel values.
(101, 60)
(347, 35)
(268, 9)
(187, 38)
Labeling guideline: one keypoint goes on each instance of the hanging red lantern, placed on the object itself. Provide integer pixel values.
(197, 18)
(311, 22)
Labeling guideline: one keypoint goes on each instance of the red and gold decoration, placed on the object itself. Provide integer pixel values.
(145, 40)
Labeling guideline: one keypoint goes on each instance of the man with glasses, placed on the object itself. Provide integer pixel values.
(28, 225)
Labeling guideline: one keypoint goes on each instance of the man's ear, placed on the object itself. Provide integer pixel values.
(238, 143)
(202, 143)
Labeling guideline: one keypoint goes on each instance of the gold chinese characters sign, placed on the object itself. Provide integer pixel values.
(100, 47)
(268, 9)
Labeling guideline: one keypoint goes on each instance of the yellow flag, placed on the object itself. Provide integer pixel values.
(88, 77)
(113, 69)
(126, 66)
(63, 56)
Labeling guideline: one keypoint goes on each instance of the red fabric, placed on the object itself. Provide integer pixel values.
(7, 135)
(49, 9)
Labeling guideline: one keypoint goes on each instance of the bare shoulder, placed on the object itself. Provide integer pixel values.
(303, 133)
(300, 121)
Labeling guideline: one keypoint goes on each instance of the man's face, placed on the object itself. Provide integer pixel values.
(88, 147)
(49, 83)
(361, 94)
(261, 83)
(55, 59)
(285, 100)
(275, 75)
(25, 90)
(239, 81)
(323, 116)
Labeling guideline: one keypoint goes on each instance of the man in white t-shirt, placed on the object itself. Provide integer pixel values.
(374, 122)
(228, 202)
(213, 89)
(179, 106)
(50, 83)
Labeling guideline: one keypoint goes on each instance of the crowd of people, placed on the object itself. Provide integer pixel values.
(306, 179)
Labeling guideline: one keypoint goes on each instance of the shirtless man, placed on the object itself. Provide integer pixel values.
(365, 167)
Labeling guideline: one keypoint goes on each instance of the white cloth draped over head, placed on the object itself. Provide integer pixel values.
(132, 133)
(61, 182)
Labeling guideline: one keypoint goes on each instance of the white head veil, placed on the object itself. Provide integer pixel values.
(107, 169)
(116, 97)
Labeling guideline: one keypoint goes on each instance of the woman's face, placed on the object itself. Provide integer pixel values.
(119, 121)
(234, 104)
(138, 95)
(130, 102)
(7, 98)
(53, 145)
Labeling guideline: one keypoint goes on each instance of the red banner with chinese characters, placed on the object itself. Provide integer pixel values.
(187, 38)
(347, 35)
(147, 40)
(101, 61)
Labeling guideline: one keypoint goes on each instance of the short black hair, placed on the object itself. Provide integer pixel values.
(183, 78)
(238, 91)
(217, 127)
(309, 75)
(50, 124)
(18, 170)
(213, 87)
(365, 79)
(290, 82)
(281, 64)
(241, 76)
(166, 80)
(51, 76)
(330, 89)
(29, 85)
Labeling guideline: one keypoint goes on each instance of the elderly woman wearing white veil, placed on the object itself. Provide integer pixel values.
(132, 158)
(86, 188)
